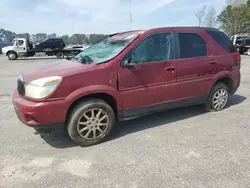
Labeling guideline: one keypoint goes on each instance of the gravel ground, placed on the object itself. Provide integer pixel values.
(182, 148)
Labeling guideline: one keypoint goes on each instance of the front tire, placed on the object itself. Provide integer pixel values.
(218, 98)
(91, 122)
(12, 55)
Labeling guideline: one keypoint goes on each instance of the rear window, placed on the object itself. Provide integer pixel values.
(223, 40)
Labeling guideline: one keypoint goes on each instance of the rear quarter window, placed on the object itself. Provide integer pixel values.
(223, 40)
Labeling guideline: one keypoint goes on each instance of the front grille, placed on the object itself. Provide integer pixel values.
(20, 87)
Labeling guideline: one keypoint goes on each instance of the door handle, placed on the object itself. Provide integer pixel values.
(170, 68)
(213, 62)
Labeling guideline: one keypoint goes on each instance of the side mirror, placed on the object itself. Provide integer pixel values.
(127, 63)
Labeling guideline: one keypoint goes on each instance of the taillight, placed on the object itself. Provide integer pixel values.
(237, 60)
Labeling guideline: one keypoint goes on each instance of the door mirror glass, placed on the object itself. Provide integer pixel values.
(128, 62)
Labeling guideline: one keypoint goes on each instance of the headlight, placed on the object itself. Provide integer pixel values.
(41, 88)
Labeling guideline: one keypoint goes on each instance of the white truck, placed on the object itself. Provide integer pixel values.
(22, 47)
(236, 39)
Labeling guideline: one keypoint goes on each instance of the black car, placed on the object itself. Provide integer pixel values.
(245, 46)
(52, 43)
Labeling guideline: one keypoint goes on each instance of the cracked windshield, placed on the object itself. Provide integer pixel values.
(106, 49)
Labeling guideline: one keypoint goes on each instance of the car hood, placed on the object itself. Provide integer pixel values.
(58, 68)
(7, 48)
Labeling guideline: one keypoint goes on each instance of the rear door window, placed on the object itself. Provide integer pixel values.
(223, 40)
(191, 45)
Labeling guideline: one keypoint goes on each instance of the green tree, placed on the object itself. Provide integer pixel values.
(39, 37)
(53, 35)
(66, 39)
(235, 18)
(23, 35)
(94, 38)
(78, 39)
(8, 36)
(225, 19)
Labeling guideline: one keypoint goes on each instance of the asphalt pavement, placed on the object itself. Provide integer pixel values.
(186, 147)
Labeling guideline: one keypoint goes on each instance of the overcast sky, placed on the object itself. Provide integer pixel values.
(98, 16)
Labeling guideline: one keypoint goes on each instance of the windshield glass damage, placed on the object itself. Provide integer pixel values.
(106, 49)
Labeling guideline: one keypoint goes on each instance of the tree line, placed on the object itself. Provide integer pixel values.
(233, 19)
(8, 36)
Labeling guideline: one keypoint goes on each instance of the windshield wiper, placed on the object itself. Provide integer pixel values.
(83, 61)
(79, 61)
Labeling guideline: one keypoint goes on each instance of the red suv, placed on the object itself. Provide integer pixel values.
(128, 75)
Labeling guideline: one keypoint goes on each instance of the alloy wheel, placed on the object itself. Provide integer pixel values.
(220, 99)
(93, 123)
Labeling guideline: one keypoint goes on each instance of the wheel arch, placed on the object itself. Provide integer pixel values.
(105, 93)
(227, 80)
(10, 52)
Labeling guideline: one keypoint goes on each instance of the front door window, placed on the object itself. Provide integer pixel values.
(20, 43)
(155, 48)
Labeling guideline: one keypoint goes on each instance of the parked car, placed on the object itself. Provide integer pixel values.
(245, 46)
(52, 43)
(78, 47)
(128, 75)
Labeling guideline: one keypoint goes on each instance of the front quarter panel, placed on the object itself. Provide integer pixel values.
(95, 89)
(100, 79)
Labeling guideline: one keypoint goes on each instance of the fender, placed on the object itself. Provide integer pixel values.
(222, 74)
(95, 89)
(9, 52)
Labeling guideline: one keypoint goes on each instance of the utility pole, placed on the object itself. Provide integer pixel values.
(130, 16)
(73, 27)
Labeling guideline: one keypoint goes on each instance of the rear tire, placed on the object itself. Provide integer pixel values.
(60, 55)
(91, 122)
(241, 51)
(12, 55)
(218, 98)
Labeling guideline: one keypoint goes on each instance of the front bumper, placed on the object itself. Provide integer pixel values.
(39, 114)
